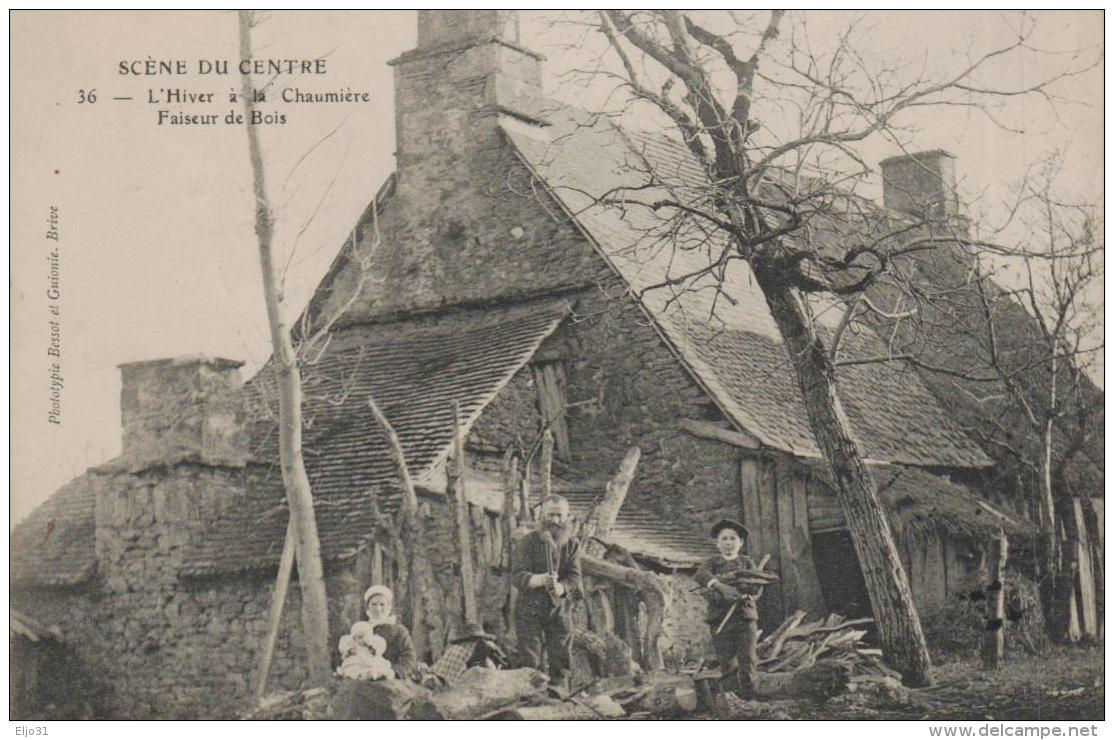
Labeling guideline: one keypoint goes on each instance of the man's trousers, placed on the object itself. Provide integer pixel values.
(540, 630)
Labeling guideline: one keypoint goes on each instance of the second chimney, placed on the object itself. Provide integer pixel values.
(921, 185)
(187, 409)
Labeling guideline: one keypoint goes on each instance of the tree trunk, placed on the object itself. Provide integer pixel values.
(1049, 563)
(899, 627)
(1097, 540)
(994, 640)
(311, 578)
(455, 478)
(1066, 626)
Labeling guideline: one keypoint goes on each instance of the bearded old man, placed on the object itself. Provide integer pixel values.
(547, 574)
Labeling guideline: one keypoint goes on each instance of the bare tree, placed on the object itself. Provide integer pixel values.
(1006, 336)
(284, 365)
(776, 130)
(1042, 367)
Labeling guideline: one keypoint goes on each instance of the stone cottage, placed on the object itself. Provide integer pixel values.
(499, 286)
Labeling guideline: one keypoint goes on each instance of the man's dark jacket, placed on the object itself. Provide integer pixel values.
(530, 559)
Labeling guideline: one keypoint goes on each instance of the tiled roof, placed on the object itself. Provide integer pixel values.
(730, 343)
(54, 546)
(645, 534)
(414, 369)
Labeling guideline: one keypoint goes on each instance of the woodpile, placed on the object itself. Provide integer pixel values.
(815, 660)
(796, 645)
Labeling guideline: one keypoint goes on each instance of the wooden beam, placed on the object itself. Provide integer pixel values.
(752, 512)
(278, 599)
(774, 598)
(376, 564)
(602, 518)
(707, 430)
(463, 523)
(810, 597)
(549, 378)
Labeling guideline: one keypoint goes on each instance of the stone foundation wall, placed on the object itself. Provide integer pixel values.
(157, 646)
(686, 636)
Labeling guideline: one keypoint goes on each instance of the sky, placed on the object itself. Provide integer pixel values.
(157, 252)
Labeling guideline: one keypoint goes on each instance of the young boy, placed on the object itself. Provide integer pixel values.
(727, 606)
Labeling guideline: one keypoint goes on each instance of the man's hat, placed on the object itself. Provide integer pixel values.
(723, 524)
(470, 631)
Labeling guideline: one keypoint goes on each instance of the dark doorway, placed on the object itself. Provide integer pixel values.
(841, 576)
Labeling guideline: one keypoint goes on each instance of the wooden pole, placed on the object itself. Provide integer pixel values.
(411, 534)
(278, 599)
(455, 479)
(510, 493)
(524, 515)
(547, 463)
(994, 641)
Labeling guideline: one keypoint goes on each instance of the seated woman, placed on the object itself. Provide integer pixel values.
(379, 601)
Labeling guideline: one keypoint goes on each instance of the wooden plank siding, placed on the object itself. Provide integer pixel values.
(776, 511)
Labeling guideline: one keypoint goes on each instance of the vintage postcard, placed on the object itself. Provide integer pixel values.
(562, 365)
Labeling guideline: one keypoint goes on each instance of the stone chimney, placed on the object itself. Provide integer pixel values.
(186, 409)
(921, 185)
(466, 70)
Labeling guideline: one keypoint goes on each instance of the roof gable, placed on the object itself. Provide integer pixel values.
(415, 369)
(54, 546)
(729, 343)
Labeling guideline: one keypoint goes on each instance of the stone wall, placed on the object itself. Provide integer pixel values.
(158, 646)
(467, 223)
(626, 388)
(685, 634)
(511, 419)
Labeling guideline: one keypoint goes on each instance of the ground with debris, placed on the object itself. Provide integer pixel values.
(1065, 684)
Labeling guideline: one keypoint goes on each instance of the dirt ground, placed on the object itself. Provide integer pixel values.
(1066, 684)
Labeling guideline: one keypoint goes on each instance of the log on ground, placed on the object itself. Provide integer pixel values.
(586, 708)
(825, 679)
(656, 693)
(376, 700)
(482, 692)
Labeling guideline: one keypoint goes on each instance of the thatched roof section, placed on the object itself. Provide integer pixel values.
(918, 503)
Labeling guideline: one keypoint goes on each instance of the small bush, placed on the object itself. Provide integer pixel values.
(956, 630)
